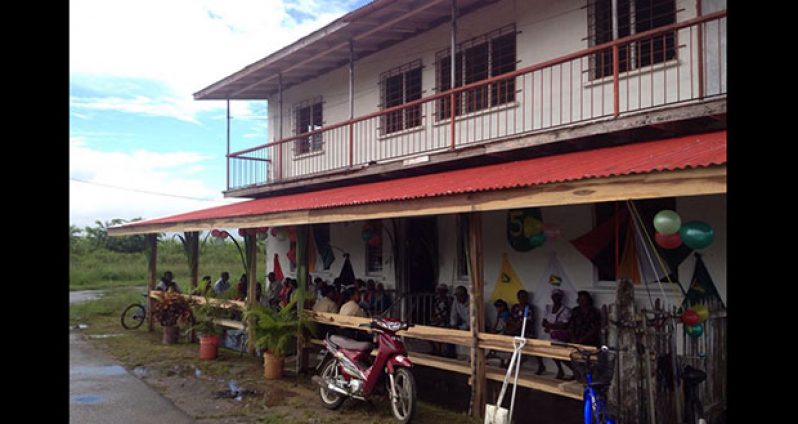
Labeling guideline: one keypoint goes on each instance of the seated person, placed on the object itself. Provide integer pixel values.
(222, 284)
(352, 307)
(502, 316)
(167, 283)
(204, 288)
(326, 304)
(241, 288)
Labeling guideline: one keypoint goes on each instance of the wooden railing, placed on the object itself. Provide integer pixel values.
(601, 82)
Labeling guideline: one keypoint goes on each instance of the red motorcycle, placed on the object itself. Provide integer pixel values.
(350, 372)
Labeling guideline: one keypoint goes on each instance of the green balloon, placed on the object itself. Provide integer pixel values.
(537, 240)
(697, 234)
(667, 222)
(694, 330)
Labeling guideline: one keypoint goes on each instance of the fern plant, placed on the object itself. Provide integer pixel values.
(204, 316)
(274, 329)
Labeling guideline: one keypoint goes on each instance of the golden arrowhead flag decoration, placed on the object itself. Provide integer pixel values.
(507, 283)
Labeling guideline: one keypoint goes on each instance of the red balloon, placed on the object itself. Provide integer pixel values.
(690, 317)
(671, 241)
(274, 231)
(241, 232)
(263, 230)
(215, 233)
(224, 234)
(374, 241)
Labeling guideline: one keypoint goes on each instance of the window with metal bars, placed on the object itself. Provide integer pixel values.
(477, 59)
(634, 16)
(397, 87)
(308, 117)
(374, 251)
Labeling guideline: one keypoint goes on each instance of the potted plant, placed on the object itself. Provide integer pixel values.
(171, 310)
(205, 324)
(274, 330)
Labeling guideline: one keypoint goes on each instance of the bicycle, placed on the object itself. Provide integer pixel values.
(134, 315)
(598, 376)
(693, 408)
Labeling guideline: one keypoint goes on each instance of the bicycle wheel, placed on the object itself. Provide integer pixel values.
(133, 316)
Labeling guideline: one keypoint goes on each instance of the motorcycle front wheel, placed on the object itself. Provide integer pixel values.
(404, 405)
(330, 399)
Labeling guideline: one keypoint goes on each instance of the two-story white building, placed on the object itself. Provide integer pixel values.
(579, 115)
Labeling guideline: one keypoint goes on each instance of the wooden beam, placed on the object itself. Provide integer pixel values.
(194, 253)
(152, 259)
(687, 182)
(302, 282)
(251, 243)
(476, 312)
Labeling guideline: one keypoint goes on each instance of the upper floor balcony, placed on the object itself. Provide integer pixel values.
(680, 65)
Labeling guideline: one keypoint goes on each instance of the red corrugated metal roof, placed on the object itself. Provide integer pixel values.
(694, 151)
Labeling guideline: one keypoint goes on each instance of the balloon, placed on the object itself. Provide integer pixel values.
(667, 222)
(537, 240)
(291, 255)
(702, 311)
(274, 231)
(670, 241)
(215, 233)
(263, 230)
(374, 241)
(690, 317)
(694, 330)
(697, 234)
(551, 231)
(532, 226)
(224, 234)
(241, 232)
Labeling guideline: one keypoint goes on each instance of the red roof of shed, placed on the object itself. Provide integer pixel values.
(694, 151)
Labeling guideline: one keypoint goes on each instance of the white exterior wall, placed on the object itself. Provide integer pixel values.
(551, 97)
(574, 221)
(343, 237)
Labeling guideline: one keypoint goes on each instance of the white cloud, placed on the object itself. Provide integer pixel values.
(171, 173)
(187, 44)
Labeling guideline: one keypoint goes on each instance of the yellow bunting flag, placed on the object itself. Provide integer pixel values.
(507, 283)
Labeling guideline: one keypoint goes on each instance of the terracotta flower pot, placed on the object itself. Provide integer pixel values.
(209, 347)
(272, 366)
(171, 334)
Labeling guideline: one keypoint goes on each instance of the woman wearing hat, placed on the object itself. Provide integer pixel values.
(555, 324)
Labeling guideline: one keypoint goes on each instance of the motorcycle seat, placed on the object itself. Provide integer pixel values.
(346, 343)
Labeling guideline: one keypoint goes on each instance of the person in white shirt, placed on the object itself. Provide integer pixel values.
(167, 283)
(459, 315)
(325, 304)
(222, 284)
(352, 307)
(555, 324)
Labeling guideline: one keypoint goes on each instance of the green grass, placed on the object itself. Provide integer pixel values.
(99, 268)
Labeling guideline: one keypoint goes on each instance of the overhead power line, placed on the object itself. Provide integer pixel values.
(150, 192)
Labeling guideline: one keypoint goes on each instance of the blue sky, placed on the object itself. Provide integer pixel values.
(135, 130)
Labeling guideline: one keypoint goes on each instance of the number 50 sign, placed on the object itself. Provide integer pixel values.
(525, 229)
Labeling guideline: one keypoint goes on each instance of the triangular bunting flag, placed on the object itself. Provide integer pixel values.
(507, 283)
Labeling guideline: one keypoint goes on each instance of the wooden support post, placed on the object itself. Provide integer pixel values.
(193, 239)
(476, 313)
(251, 242)
(152, 244)
(302, 281)
(627, 357)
